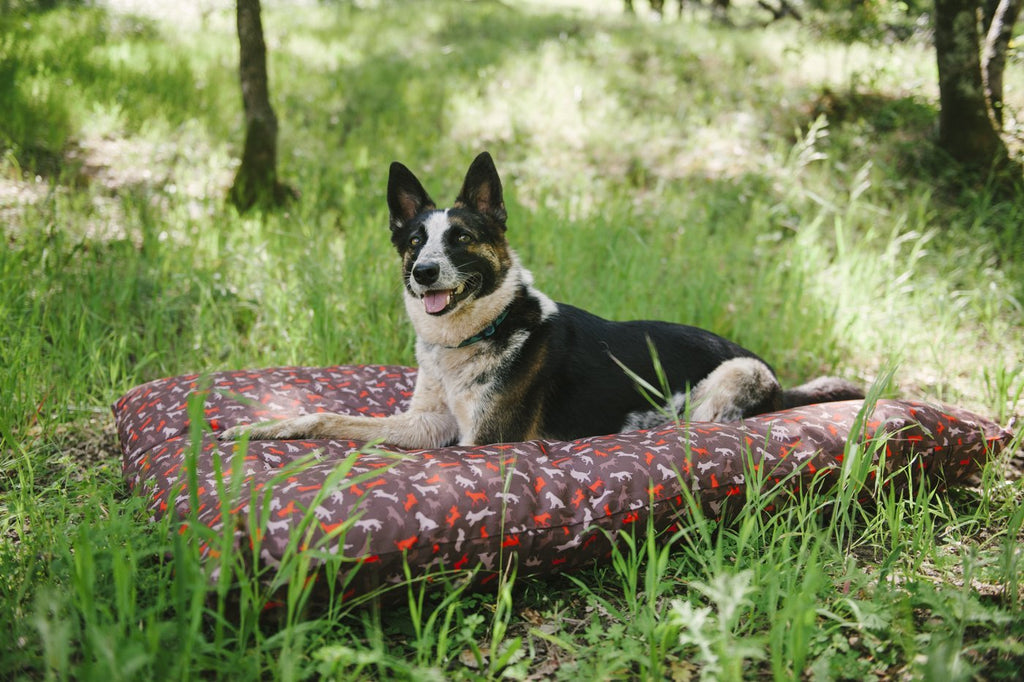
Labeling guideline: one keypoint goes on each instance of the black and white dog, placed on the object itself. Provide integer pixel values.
(499, 361)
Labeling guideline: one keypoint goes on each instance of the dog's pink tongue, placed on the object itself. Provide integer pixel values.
(435, 301)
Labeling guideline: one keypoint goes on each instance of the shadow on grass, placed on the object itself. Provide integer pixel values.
(63, 67)
(126, 66)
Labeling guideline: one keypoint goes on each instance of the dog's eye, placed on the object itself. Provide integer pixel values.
(464, 238)
(415, 241)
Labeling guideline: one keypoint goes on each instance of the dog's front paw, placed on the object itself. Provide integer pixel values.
(285, 429)
(250, 431)
(263, 431)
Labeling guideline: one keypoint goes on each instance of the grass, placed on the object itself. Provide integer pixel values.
(772, 184)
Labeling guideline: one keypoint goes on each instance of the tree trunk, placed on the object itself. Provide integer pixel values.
(993, 56)
(966, 130)
(256, 180)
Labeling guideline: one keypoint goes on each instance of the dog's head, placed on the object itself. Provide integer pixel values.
(453, 256)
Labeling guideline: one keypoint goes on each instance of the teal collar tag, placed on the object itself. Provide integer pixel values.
(487, 332)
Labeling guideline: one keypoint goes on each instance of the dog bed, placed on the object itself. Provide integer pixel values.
(390, 514)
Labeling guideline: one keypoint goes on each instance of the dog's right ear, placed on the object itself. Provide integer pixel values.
(406, 196)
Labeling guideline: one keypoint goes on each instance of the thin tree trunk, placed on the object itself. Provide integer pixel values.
(993, 56)
(966, 130)
(256, 180)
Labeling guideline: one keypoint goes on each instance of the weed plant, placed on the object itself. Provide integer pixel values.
(772, 185)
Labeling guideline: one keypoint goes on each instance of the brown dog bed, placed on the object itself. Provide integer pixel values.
(546, 503)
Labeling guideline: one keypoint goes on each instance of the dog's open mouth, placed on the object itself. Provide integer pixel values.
(440, 301)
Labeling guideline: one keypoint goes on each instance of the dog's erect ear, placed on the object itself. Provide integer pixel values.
(406, 196)
(481, 189)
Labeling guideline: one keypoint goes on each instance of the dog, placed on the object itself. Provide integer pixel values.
(499, 361)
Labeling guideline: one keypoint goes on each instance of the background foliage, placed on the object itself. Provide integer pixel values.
(778, 185)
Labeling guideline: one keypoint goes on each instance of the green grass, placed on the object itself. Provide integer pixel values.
(770, 184)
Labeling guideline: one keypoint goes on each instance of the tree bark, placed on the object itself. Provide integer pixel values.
(256, 180)
(993, 56)
(966, 130)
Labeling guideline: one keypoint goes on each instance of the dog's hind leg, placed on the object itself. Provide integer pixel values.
(741, 388)
(744, 387)
(821, 390)
(737, 388)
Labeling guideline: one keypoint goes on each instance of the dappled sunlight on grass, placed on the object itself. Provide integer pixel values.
(559, 119)
(596, 109)
(895, 69)
(770, 184)
(692, 137)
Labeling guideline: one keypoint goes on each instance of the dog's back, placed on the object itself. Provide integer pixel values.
(588, 391)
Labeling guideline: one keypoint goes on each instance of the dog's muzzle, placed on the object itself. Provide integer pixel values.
(436, 301)
(426, 273)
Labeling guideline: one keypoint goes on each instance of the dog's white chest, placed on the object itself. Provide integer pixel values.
(468, 376)
(463, 377)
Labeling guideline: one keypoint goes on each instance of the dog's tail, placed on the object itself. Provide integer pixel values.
(821, 390)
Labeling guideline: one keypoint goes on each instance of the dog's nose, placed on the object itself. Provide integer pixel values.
(426, 273)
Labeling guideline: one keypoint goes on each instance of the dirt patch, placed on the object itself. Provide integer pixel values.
(182, 172)
(77, 451)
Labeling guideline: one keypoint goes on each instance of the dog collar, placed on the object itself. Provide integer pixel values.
(487, 332)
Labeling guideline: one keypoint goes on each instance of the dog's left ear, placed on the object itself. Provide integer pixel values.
(481, 190)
